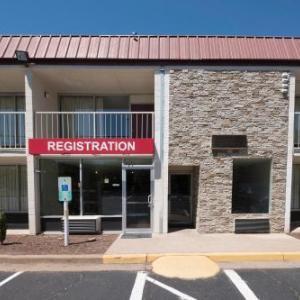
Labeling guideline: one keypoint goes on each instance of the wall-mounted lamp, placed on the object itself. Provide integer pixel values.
(46, 95)
(285, 79)
(22, 56)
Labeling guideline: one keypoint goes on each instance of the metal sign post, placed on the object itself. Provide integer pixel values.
(65, 196)
(66, 223)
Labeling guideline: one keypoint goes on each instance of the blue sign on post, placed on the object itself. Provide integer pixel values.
(65, 189)
(65, 196)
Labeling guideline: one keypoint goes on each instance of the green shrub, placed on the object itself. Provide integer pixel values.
(2, 227)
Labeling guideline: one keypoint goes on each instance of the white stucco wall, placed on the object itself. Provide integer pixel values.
(35, 101)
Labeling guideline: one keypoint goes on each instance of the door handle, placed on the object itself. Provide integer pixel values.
(149, 199)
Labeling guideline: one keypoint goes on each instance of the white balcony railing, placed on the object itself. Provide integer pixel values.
(94, 124)
(12, 131)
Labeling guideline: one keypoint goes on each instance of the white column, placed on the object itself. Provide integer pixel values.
(32, 180)
(165, 169)
(161, 136)
(290, 154)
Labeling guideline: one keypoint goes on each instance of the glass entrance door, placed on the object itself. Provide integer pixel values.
(137, 200)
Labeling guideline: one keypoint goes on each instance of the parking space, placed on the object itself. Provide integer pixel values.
(69, 285)
(264, 283)
(273, 284)
(4, 275)
(217, 287)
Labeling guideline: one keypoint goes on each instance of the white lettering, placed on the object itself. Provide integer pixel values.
(95, 146)
(103, 147)
(87, 145)
(80, 146)
(68, 146)
(131, 146)
(59, 146)
(122, 146)
(51, 146)
(111, 144)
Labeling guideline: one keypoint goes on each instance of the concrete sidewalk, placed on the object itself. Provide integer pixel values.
(144, 251)
(189, 241)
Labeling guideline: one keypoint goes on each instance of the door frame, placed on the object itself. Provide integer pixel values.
(125, 168)
(183, 172)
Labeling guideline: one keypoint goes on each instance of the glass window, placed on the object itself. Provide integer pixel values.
(12, 103)
(102, 187)
(251, 185)
(297, 104)
(180, 184)
(50, 171)
(81, 124)
(12, 126)
(296, 188)
(13, 189)
(180, 199)
(115, 125)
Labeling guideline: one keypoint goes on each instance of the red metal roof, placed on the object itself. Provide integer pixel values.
(169, 48)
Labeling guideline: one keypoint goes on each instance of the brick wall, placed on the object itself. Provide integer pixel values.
(204, 103)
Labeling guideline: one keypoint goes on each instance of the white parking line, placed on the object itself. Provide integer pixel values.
(11, 277)
(138, 288)
(241, 285)
(181, 295)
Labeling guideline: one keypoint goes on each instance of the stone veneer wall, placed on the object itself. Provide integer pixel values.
(204, 103)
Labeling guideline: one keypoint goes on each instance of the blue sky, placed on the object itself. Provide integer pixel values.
(203, 17)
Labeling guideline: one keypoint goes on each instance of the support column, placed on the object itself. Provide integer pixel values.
(290, 155)
(161, 135)
(32, 177)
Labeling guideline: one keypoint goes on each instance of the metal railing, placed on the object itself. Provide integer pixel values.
(12, 131)
(94, 124)
(297, 130)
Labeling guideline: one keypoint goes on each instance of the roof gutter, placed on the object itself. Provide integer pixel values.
(154, 62)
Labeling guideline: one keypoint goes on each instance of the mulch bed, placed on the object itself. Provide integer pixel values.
(54, 244)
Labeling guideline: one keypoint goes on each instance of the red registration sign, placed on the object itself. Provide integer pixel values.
(117, 146)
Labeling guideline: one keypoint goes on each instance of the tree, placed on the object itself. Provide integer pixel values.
(2, 227)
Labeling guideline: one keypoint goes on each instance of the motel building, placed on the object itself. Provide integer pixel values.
(156, 133)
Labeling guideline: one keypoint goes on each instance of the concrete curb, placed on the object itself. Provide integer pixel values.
(216, 257)
(147, 258)
(52, 259)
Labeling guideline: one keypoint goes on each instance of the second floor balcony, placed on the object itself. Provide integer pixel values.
(99, 124)
(12, 131)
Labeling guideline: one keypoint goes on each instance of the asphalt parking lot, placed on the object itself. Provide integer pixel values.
(263, 284)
